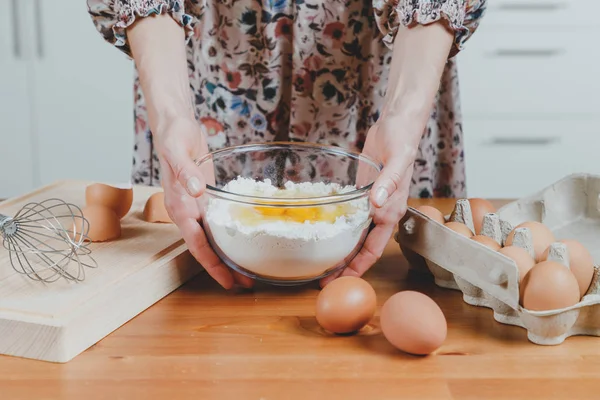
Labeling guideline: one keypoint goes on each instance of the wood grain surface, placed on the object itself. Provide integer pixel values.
(202, 342)
(57, 321)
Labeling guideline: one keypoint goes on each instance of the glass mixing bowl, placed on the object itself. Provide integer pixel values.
(311, 220)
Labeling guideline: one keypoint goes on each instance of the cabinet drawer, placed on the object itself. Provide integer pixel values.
(526, 73)
(540, 13)
(511, 159)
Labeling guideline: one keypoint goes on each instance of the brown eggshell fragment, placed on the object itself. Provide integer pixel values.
(487, 241)
(413, 323)
(581, 263)
(459, 227)
(155, 211)
(542, 237)
(549, 286)
(479, 208)
(346, 305)
(117, 199)
(104, 224)
(432, 213)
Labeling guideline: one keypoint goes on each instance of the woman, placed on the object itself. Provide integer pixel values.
(376, 77)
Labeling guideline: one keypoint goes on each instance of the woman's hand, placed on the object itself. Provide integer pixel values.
(179, 142)
(418, 61)
(158, 48)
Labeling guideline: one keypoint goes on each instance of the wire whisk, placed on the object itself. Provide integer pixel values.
(47, 241)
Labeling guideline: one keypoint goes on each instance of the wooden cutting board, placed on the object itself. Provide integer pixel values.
(55, 322)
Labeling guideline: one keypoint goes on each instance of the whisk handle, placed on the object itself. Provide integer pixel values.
(5, 224)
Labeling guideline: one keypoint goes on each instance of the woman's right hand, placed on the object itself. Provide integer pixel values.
(178, 142)
(158, 48)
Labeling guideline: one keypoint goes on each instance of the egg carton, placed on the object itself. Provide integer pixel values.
(486, 278)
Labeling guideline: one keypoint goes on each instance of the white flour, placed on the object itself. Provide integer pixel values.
(286, 249)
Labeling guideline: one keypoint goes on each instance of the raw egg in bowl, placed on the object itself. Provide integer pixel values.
(287, 213)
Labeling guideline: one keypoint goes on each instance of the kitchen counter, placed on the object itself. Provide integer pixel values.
(204, 343)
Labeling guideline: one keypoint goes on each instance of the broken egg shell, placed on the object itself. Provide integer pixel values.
(117, 199)
(460, 228)
(104, 224)
(413, 322)
(542, 237)
(581, 263)
(432, 213)
(345, 305)
(479, 208)
(487, 241)
(155, 211)
(549, 286)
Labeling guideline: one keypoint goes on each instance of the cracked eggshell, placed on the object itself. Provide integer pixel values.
(104, 224)
(155, 211)
(118, 199)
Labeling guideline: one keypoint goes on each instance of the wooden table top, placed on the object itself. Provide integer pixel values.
(202, 342)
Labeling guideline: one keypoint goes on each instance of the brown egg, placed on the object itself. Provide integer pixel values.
(521, 257)
(542, 237)
(487, 241)
(104, 224)
(155, 211)
(480, 207)
(459, 227)
(432, 213)
(581, 263)
(346, 305)
(413, 323)
(549, 286)
(117, 199)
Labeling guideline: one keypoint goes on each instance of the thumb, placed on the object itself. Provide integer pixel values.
(187, 173)
(388, 181)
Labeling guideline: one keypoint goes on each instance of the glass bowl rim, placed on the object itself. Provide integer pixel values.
(296, 201)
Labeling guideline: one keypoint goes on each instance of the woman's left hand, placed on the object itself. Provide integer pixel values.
(393, 141)
(419, 56)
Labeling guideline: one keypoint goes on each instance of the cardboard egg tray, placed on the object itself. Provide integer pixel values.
(569, 207)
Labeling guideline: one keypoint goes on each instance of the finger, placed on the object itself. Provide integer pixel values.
(366, 173)
(185, 216)
(185, 171)
(390, 180)
(396, 206)
(325, 281)
(242, 280)
(199, 246)
(385, 219)
(371, 251)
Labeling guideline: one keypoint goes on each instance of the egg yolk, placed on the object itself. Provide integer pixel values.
(325, 213)
(253, 215)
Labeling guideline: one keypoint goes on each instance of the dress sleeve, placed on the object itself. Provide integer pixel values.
(462, 16)
(113, 17)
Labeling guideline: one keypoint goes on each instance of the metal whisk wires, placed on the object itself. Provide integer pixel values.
(47, 241)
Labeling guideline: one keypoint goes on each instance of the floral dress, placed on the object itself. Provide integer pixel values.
(303, 70)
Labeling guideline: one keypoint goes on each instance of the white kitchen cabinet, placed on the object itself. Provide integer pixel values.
(516, 158)
(16, 151)
(69, 96)
(529, 96)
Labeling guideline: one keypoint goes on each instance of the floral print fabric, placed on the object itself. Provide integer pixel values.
(303, 70)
